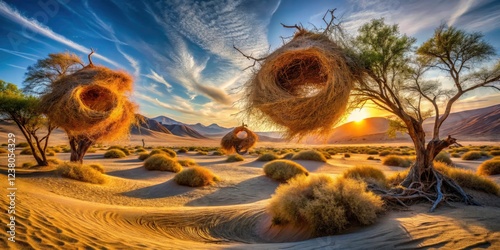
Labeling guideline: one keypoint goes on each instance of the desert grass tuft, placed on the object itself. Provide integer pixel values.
(234, 158)
(489, 167)
(196, 177)
(162, 162)
(367, 174)
(97, 166)
(81, 172)
(114, 153)
(310, 155)
(29, 164)
(283, 170)
(268, 157)
(443, 157)
(396, 161)
(169, 152)
(187, 162)
(326, 205)
(143, 156)
(123, 149)
(472, 155)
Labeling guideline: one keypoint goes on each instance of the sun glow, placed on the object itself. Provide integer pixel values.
(357, 115)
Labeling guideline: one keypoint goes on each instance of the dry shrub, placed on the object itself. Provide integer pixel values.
(472, 155)
(162, 162)
(22, 145)
(126, 151)
(114, 153)
(326, 205)
(91, 102)
(140, 150)
(50, 152)
(396, 161)
(372, 152)
(396, 178)
(267, 157)
(187, 162)
(29, 164)
(310, 155)
(26, 151)
(235, 158)
(169, 152)
(495, 152)
(468, 179)
(283, 170)
(157, 151)
(81, 172)
(303, 86)
(367, 174)
(143, 156)
(54, 161)
(196, 177)
(240, 140)
(443, 157)
(489, 167)
(202, 153)
(3, 151)
(182, 150)
(97, 167)
(288, 156)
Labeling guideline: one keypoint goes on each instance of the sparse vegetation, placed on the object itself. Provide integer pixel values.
(81, 172)
(169, 152)
(472, 155)
(310, 155)
(123, 149)
(22, 145)
(396, 161)
(114, 153)
(29, 164)
(54, 161)
(234, 158)
(494, 152)
(283, 170)
(267, 157)
(97, 167)
(443, 157)
(187, 162)
(202, 153)
(325, 205)
(26, 151)
(489, 167)
(162, 162)
(143, 156)
(182, 150)
(346, 155)
(384, 153)
(367, 174)
(195, 177)
(469, 179)
(3, 151)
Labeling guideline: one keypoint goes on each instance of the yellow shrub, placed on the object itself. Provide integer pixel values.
(267, 157)
(326, 205)
(163, 163)
(310, 155)
(187, 162)
(81, 172)
(195, 177)
(367, 174)
(235, 158)
(489, 167)
(283, 170)
(114, 153)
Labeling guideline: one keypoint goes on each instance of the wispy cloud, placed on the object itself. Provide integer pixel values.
(462, 7)
(159, 79)
(35, 26)
(16, 66)
(28, 56)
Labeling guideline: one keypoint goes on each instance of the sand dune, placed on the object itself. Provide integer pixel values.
(146, 209)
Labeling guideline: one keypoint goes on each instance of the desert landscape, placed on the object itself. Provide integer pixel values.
(250, 124)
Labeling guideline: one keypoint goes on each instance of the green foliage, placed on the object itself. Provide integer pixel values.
(325, 205)
(284, 170)
(196, 177)
(114, 153)
(310, 155)
(234, 158)
(162, 162)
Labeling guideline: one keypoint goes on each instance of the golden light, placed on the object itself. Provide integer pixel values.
(357, 115)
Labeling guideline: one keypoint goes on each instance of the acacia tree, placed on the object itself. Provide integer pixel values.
(40, 76)
(23, 110)
(395, 83)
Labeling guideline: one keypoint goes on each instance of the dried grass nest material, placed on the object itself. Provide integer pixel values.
(303, 86)
(93, 102)
(237, 141)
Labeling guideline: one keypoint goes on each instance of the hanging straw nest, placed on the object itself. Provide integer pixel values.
(240, 140)
(303, 86)
(91, 102)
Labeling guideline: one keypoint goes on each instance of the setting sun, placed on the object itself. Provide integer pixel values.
(357, 115)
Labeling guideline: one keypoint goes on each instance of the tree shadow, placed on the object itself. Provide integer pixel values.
(248, 191)
(162, 190)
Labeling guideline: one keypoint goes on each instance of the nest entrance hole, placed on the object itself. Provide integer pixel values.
(302, 76)
(98, 98)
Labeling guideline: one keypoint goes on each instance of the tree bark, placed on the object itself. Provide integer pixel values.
(79, 147)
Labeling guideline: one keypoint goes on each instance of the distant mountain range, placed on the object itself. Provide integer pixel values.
(478, 124)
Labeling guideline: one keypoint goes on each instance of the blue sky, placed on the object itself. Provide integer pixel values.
(180, 52)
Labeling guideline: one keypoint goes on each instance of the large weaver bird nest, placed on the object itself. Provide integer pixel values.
(240, 140)
(91, 102)
(303, 86)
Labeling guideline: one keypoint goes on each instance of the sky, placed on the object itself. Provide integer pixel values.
(181, 54)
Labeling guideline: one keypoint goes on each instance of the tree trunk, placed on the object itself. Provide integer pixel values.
(79, 146)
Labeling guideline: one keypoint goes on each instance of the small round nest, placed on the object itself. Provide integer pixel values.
(303, 86)
(91, 102)
(240, 140)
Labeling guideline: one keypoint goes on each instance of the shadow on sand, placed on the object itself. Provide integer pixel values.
(248, 191)
(162, 190)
